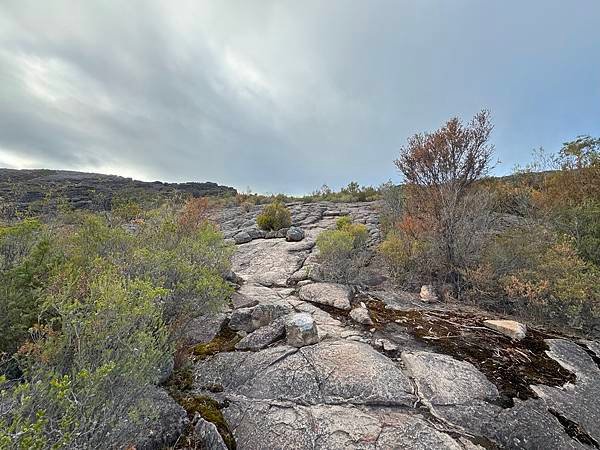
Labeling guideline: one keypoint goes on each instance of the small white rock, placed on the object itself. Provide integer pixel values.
(510, 328)
(428, 294)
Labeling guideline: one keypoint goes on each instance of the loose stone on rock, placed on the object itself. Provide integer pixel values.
(301, 330)
(386, 345)
(336, 295)
(262, 337)
(510, 328)
(361, 315)
(294, 234)
(428, 294)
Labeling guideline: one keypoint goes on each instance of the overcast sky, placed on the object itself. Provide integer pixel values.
(283, 96)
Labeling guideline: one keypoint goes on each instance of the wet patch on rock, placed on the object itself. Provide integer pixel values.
(511, 365)
(224, 341)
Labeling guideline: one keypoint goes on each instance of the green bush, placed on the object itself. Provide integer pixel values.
(26, 261)
(342, 252)
(537, 274)
(407, 259)
(93, 371)
(273, 217)
(94, 308)
(343, 222)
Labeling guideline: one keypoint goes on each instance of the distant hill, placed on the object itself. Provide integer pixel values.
(37, 189)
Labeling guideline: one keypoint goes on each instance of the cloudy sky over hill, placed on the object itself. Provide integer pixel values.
(286, 95)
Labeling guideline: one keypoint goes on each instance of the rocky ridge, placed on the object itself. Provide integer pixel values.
(24, 189)
(373, 368)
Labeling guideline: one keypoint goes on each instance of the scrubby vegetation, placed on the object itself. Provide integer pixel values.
(526, 244)
(93, 308)
(342, 252)
(274, 217)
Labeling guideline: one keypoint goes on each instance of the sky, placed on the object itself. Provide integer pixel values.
(286, 95)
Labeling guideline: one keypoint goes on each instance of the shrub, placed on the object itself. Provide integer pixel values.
(195, 212)
(441, 170)
(26, 261)
(342, 252)
(533, 272)
(89, 378)
(392, 206)
(273, 217)
(406, 258)
(343, 222)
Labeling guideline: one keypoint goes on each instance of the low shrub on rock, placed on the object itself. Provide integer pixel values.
(342, 252)
(274, 217)
(537, 274)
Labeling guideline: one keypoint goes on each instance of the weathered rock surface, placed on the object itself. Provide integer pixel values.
(328, 372)
(332, 389)
(207, 434)
(577, 402)
(443, 380)
(510, 328)
(163, 426)
(361, 315)
(330, 294)
(263, 336)
(301, 330)
(294, 234)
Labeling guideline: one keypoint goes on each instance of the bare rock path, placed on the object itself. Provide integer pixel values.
(370, 387)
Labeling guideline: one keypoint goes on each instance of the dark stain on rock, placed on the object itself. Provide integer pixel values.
(574, 430)
(511, 365)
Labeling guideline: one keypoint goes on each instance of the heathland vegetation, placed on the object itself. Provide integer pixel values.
(96, 297)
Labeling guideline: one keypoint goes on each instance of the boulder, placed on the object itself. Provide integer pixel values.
(510, 328)
(250, 319)
(255, 233)
(386, 345)
(207, 434)
(281, 233)
(203, 329)
(330, 294)
(301, 330)
(263, 336)
(265, 313)
(242, 301)
(161, 428)
(241, 320)
(428, 294)
(233, 277)
(294, 234)
(361, 315)
(242, 237)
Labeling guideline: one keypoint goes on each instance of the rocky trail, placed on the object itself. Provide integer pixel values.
(297, 363)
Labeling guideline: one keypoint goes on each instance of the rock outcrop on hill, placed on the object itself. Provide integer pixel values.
(415, 375)
(22, 189)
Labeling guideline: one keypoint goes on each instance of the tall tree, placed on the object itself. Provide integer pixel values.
(440, 170)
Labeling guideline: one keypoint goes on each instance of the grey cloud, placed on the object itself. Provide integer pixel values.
(284, 96)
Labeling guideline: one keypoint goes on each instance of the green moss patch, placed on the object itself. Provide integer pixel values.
(210, 410)
(223, 342)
